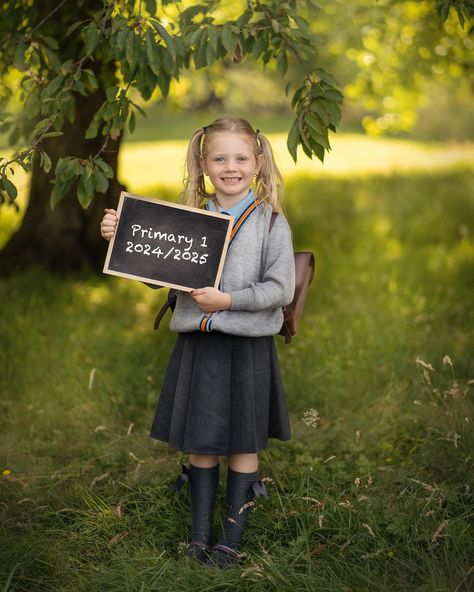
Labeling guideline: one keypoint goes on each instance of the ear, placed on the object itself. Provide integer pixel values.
(259, 163)
(202, 162)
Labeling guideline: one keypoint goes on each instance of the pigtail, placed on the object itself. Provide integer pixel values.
(194, 184)
(269, 181)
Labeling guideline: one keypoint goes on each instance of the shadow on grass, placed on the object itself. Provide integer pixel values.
(374, 496)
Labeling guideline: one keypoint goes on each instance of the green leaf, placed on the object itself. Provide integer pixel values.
(105, 168)
(53, 59)
(164, 84)
(52, 135)
(93, 129)
(101, 183)
(442, 7)
(130, 52)
(259, 45)
(85, 188)
(325, 76)
(316, 123)
(49, 41)
(111, 93)
(200, 57)
(121, 38)
(212, 37)
(292, 140)
(73, 27)
(151, 6)
(131, 123)
(91, 37)
(19, 56)
(282, 62)
(58, 192)
(334, 95)
(228, 39)
(67, 67)
(210, 55)
(91, 79)
(10, 188)
(46, 162)
(318, 150)
(166, 37)
(297, 96)
(244, 19)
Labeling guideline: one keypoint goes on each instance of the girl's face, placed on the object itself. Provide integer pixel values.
(231, 164)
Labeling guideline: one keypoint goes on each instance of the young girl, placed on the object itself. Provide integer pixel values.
(222, 392)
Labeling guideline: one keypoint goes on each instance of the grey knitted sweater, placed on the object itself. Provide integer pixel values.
(259, 274)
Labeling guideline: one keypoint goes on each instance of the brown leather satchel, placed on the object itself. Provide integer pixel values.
(304, 273)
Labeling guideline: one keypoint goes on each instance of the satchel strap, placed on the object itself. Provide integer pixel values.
(170, 303)
(272, 220)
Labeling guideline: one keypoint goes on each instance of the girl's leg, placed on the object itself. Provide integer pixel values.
(203, 484)
(242, 479)
(243, 463)
(203, 461)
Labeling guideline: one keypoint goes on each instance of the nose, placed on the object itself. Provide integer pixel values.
(231, 165)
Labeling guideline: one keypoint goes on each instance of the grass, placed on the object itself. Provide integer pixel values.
(376, 497)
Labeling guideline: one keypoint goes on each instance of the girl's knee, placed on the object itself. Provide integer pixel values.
(203, 461)
(243, 462)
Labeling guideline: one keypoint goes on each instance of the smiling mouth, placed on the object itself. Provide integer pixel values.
(231, 179)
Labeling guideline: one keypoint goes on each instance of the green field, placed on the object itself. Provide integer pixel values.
(378, 496)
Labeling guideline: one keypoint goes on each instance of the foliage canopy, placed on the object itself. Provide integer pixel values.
(51, 53)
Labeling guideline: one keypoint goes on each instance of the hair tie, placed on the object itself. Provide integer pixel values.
(204, 127)
(257, 131)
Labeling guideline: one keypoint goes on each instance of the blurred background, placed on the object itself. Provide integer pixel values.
(374, 491)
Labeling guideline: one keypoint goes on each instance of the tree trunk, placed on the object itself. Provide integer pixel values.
(68, 237)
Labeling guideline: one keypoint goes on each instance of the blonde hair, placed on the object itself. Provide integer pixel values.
(268, 184)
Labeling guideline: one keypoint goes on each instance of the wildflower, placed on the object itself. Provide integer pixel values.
(311, 418)
(368, 528)
(416, 402)
(132, 456)
(357, 436)
(91, 378)
(357, 482)
(437, 534)
(423, 364)
(6, 472)
(389, 459)
(447, 361)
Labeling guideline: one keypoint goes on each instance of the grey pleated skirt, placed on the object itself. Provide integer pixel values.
(221, 394)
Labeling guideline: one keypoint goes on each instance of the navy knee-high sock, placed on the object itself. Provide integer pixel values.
(239, 493)
(203, 484)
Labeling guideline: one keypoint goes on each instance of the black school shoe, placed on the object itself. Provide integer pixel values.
(197, 551)
(224, 557)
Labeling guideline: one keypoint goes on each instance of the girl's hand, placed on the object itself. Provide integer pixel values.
(108, 224)
(212, 299)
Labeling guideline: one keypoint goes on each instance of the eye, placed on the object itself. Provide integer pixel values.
(242, 158)
(218, 159)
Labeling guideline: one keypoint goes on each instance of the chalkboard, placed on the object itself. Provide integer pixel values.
(168, 244)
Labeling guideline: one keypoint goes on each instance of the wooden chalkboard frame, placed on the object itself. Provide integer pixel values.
(124, 195)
